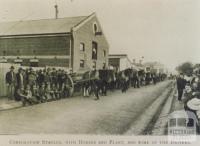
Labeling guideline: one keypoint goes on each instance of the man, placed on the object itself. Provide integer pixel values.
(32, 78)
(181, 82)
(20, 79)
(10, 82)
(27, 96)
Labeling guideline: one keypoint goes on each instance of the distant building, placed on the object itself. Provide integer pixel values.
(119, 62)
(74, 42)
(154, 67)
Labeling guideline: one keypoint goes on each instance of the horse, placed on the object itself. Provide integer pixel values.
(102, 80)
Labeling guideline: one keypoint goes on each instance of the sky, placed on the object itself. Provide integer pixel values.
(167, 31)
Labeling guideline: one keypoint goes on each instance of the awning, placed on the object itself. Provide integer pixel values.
(18, 60)
(34, 60)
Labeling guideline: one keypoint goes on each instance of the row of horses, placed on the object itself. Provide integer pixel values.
(104, 80)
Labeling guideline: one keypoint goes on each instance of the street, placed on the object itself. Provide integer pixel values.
(114, 114)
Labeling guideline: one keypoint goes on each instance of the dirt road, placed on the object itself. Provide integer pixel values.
(112, 114)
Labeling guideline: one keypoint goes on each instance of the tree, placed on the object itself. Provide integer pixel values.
(185, 68)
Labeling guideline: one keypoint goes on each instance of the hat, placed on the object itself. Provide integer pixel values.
(12, 67)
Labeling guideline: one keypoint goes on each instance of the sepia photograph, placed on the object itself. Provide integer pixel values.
(100, 68)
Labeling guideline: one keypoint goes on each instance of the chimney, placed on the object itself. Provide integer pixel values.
(56, 11)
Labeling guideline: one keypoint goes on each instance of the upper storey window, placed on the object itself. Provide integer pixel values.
(95, 27)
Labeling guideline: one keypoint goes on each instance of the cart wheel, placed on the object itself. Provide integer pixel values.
(71, 86)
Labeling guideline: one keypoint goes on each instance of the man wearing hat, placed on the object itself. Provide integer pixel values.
(20, 78)
(181, 82)
(10, 82)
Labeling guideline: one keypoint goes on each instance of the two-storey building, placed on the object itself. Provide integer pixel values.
(74, 42)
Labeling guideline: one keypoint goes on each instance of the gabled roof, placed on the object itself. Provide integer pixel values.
(43, 26)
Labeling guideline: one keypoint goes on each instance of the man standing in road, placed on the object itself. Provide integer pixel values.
(10, 82)
(181, 82)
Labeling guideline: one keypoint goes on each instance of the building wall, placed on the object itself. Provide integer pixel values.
(124, 64)
(86, 35)
(114, 62)
(41, 45)
(31, 47)
(42, 62)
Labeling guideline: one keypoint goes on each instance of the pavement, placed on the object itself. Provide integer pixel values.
(111, 115)
(6, 104)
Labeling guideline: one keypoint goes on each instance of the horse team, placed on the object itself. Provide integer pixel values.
(99, 81)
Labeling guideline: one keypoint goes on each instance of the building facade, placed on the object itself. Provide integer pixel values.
(74, 42)
(119, 62)
(155, 67)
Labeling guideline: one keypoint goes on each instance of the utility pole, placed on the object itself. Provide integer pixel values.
(56, 10)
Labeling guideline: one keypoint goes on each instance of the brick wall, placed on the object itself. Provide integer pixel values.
(86, 35)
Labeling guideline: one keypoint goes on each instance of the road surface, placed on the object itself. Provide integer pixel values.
(113, 114)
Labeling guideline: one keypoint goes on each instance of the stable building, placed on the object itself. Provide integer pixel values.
(77, 43)
(119, 62)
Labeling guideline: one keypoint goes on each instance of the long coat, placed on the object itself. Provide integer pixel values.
(181, 83)
(10, 77)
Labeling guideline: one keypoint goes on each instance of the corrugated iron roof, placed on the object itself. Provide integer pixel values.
(43, 26)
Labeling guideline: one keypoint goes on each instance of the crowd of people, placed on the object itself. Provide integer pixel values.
(33, 87)
(189, 93)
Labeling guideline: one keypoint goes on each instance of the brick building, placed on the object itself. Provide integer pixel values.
(74, 42)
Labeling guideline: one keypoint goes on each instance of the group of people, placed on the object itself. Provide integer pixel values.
(189, 93)
(33, 87)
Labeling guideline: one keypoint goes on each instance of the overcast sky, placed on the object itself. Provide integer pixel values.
(160, 30)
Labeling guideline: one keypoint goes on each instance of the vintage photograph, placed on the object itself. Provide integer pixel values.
(100, 67)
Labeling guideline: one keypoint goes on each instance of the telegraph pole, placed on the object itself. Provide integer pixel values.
(56, 10)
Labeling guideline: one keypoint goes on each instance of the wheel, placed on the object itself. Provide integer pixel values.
(71, 86)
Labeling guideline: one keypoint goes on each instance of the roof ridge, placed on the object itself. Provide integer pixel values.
(84, 19)
(42, 19)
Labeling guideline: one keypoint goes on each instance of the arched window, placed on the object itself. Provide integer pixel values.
(95, 28)
(82, 47)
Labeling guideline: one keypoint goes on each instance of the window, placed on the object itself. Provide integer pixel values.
(95, 28)
(104, 53)
(82, 47)
(82, 63)
(94, 65)
(34, 62)
(94, 50)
